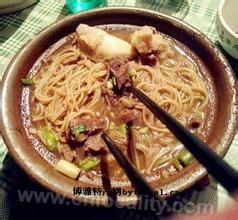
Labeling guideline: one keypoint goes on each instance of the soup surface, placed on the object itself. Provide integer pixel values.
(77, 91)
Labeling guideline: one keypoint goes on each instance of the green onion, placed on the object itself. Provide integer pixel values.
(114, 81)
(49, 138)
(89, 163)
(67, 168)
(177, 164)
(185, 157)
(111, 126)
(123, 128)
(78, 129)
(109, 84)
(143, 130)
(132, 73)
(27, 81)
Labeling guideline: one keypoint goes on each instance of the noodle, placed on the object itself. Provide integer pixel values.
(66, 91)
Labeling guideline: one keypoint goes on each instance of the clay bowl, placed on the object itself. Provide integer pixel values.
(38, 164)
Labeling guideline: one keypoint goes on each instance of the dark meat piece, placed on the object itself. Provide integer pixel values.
(82, 137)
(120, 140)
(92, 125)
(130, 115)
(95, 144)
(67, 152)
(119, 68)
(126, 116)
(79, 153)
(194, 123)
(138, 121)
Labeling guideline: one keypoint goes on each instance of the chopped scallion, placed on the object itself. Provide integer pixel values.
(111, 126)
(114, 81)
(79, 129)
(123, 128)
(27, 81)
(185, 157)
(132, 73)
(49, 138)
(67, 168)
(177, 164)
(109, 84)
(89, 163)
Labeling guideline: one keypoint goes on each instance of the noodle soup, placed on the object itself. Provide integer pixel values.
(75, 95)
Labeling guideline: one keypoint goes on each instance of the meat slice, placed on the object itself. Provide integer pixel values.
(80, 138)
(95, 144)
(79, 154)
(194, 123)
(120, 140)
(67, 152)
(119, 68)
(93, 125)
(126, 116)
(138, 118)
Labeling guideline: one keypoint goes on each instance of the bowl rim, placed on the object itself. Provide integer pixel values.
(223, 21)
(200, 171)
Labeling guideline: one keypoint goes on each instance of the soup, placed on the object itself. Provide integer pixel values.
(79, 91)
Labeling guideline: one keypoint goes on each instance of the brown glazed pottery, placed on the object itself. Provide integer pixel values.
(219, 74)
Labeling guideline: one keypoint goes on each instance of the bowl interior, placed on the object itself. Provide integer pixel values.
(19, 145)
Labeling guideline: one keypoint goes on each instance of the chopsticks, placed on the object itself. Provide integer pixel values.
(135, 177)
(215, 165)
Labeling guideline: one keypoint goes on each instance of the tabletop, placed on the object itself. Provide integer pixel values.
(19, 27)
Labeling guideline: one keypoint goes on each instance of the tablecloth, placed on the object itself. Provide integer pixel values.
(19, 27)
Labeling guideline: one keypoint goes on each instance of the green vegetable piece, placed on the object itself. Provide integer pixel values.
(143, 130)
(123, 128)
(49, 138)
(177, 164)
(109, 84)
(132, 73)
(27, 81)
(185, 157)
(114, 81)
(111, 126)
(89, 163)
(67, 168)
(79, 129)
